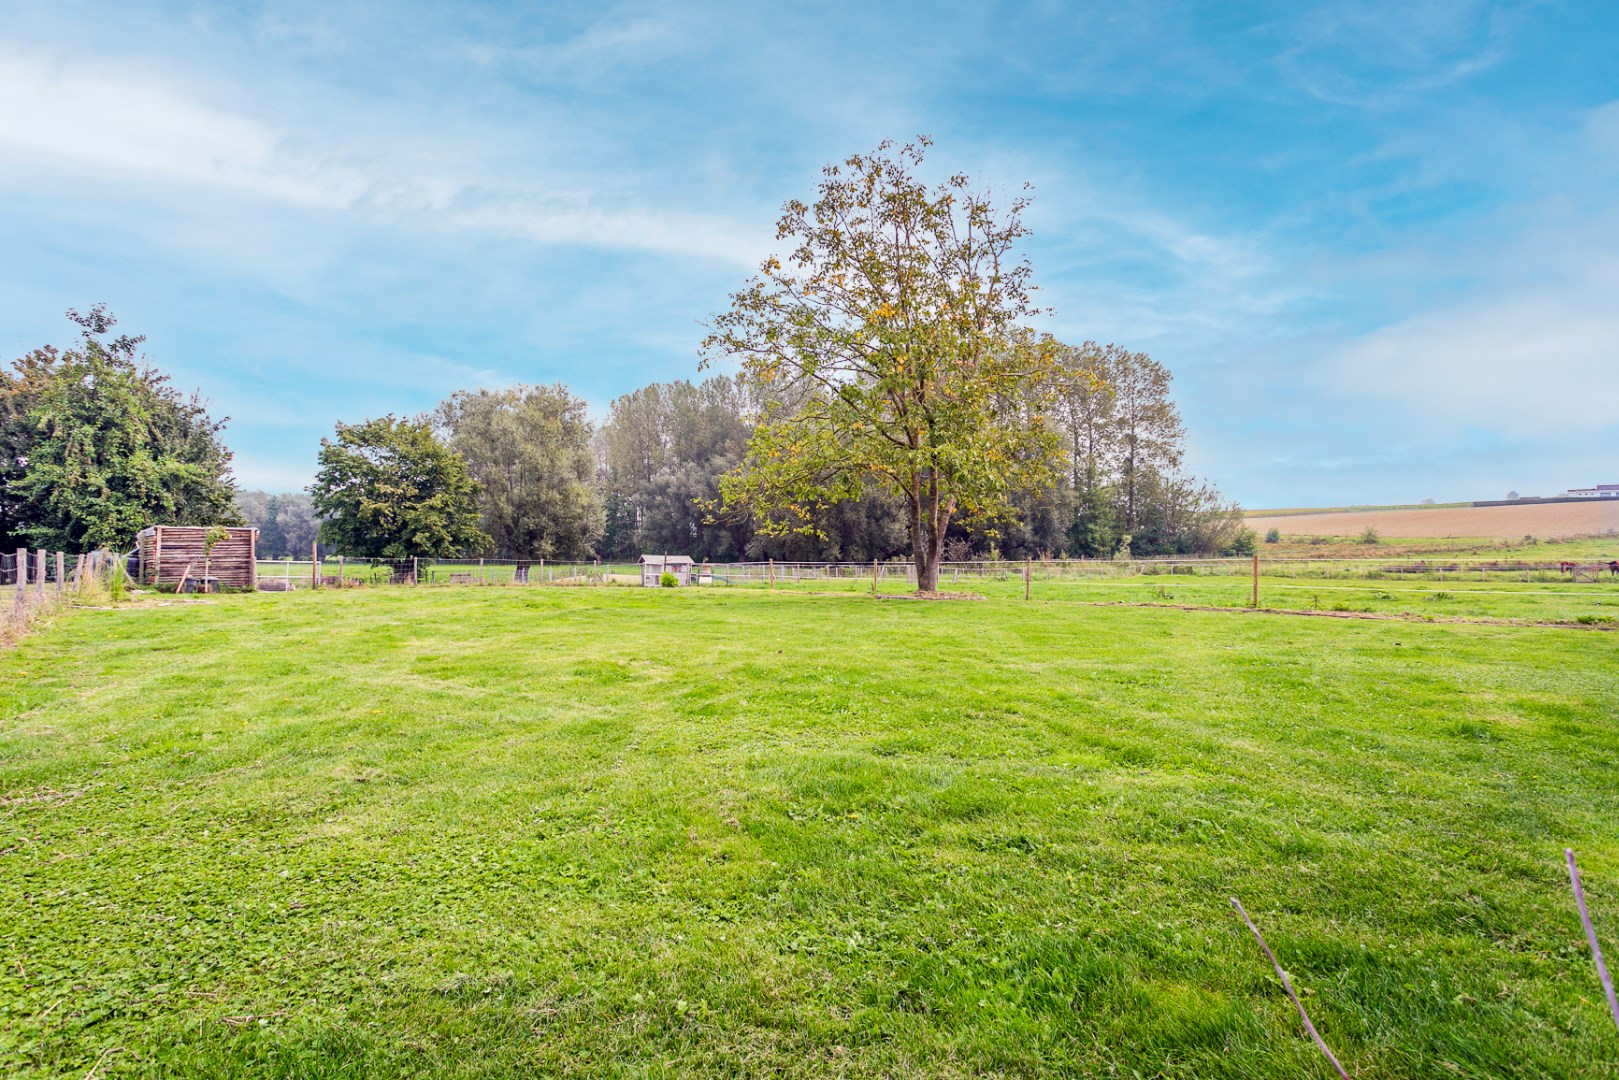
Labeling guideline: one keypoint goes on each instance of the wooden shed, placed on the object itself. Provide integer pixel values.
(170, 554)
(653, 568)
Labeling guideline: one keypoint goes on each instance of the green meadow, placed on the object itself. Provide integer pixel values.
(487, 832)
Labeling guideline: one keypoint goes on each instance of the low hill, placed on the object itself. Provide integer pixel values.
(1543, 520)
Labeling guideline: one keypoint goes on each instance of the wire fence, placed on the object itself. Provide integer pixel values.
(35, 583)
(338, 571)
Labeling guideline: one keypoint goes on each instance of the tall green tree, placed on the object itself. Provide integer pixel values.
(1146, 429)
(99, 445)
(1091, 535)
(390, 488)
(529, 449)
(895, 330)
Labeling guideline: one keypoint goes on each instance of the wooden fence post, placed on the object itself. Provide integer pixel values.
(39, 574)
(61, 572)
(772, 573)
(314, 565)
(1256, 579)
(874, 577)
(482, 573)
(78, 572)
(1028, 578)
(20, 600)
(415, 571)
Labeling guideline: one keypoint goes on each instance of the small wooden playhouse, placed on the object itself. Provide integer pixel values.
(179, 555)
(653, 567)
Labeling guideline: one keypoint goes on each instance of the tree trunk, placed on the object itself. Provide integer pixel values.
(927, 565)
(920, 546)
(927, 538)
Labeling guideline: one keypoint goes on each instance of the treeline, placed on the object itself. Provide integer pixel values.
(288, 527)
(95, 444)
(663, 449)
(523, 473)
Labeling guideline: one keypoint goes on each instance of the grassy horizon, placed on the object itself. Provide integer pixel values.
(628, 832)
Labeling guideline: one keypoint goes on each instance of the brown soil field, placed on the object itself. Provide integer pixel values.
(1547, 521)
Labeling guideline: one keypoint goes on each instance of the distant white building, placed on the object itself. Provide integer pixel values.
(1601, 491)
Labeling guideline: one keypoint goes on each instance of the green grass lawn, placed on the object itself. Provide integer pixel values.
(1555, 599)
(624, 832)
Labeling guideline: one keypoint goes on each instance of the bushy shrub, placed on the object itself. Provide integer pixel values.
(1370, 536)
(668, 580)
(1274, 536)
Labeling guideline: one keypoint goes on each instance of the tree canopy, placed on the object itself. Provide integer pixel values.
(529, 450)
(893, 338)
(98, 445)
(389, 488)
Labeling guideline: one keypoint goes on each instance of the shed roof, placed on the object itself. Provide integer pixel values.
(665, 560)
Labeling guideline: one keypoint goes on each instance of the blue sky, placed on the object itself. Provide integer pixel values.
(1377, 243)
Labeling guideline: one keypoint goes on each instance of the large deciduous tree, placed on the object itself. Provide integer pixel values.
(529, 449)
(390, 488)
(98, 445)
(893, 336)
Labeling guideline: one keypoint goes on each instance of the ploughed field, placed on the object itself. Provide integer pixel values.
(614, 831)
(1499, 522)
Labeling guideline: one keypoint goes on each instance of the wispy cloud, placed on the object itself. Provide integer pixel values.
(125, 125)
(1381, 52)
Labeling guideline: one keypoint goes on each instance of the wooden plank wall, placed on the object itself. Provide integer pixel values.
(166, 551)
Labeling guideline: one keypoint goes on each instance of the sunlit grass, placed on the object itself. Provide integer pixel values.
(486, 832)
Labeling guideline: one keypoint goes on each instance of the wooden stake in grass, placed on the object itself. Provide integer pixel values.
(1256, 579)
(1591, 935)
(1028, 577)
(1288, 986)
(874, 577)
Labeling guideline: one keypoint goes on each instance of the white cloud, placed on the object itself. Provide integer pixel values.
(1520, 361)
(123, 125)
(111, 123)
